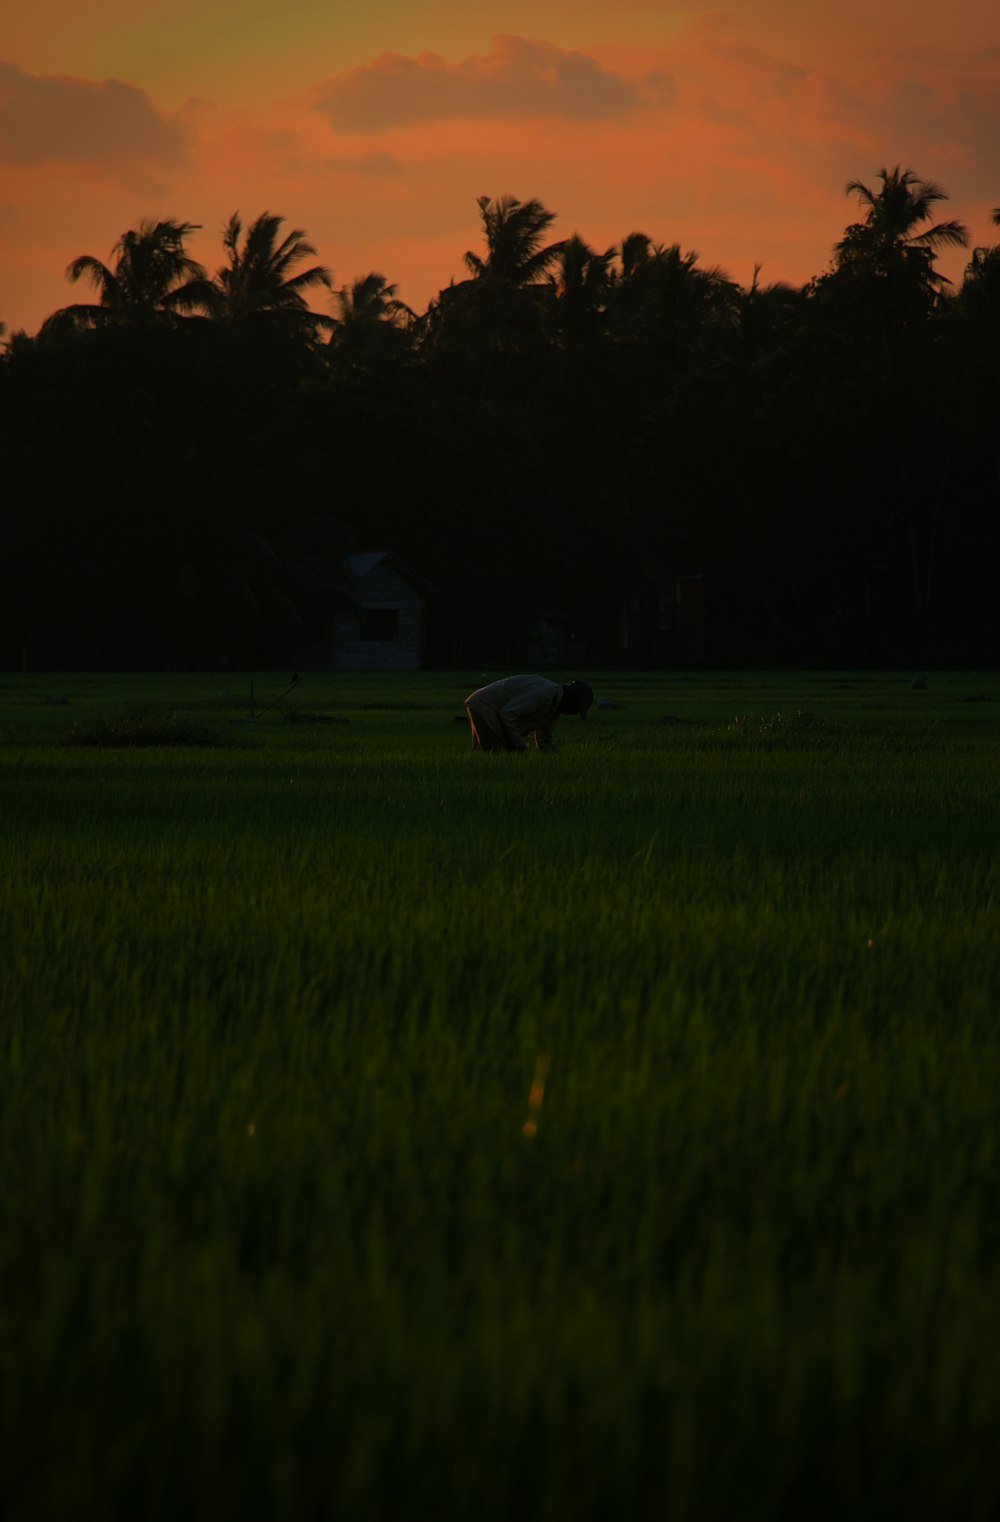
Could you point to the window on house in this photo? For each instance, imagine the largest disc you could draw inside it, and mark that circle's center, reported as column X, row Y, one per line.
column 380, row 623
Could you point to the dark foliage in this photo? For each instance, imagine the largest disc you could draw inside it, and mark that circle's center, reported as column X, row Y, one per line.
column 183, row 478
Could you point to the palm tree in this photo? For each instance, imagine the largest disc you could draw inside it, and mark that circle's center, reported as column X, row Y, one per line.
column 582, row 284
column 370, row 317
column 576, row 376
column 885, row 280
column 884, row 263
column 258, row 283
column 663, row 298
column 980, row 295
column 764, row 312
column 152, row 277
column 492, row 325
column 516, row 253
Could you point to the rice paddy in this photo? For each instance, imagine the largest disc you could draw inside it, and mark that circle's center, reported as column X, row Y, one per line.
column 388, row 1130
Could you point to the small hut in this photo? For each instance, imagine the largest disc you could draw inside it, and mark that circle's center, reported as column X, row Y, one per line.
column 384, row 629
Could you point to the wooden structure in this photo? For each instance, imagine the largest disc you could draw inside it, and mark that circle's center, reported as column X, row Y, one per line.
column 383, row 629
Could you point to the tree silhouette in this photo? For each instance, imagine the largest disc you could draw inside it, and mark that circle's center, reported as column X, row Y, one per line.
column 826, row 457
column 370, row 321
column 258, row 284
column 664, row 300
column 978, row 305
column 885, row 264
column 763, row 308
column 490, row 328
column 885, row 286
column 578, row 374
column 516, row 253
column 582, row 283
column 152, row 277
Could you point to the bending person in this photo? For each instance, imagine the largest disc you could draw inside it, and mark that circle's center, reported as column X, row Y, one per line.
column 505, row 714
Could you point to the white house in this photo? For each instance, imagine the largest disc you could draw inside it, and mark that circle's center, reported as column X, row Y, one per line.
column 384, row 631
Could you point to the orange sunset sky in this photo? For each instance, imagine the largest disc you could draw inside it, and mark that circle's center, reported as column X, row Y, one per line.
column 728, row 128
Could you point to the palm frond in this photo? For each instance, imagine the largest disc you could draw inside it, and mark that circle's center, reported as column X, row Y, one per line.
column 74, row 319
column 318, row 275
column 861, row 190
column 633, row 251
column 953, row 234
column 97, row 272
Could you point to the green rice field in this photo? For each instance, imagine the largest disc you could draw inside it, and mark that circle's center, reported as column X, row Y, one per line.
column 389, row 1131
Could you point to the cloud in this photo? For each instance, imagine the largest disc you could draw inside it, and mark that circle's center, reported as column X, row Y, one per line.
column 56, row 120
column 377, row 165
column 518, row 77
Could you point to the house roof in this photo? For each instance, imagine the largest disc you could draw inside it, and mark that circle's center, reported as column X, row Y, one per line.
column 360, row 565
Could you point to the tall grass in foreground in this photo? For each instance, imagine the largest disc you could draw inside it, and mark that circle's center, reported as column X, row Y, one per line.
column 291, row 1226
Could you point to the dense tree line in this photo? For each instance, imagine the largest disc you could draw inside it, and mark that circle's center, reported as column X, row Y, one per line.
column 188, row 457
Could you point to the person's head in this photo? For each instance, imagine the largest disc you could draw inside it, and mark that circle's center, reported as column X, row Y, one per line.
column 577, row 698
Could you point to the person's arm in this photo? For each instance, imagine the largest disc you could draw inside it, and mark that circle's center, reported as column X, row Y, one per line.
column 512, row 728
column 519, row 717
column 532, row 710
